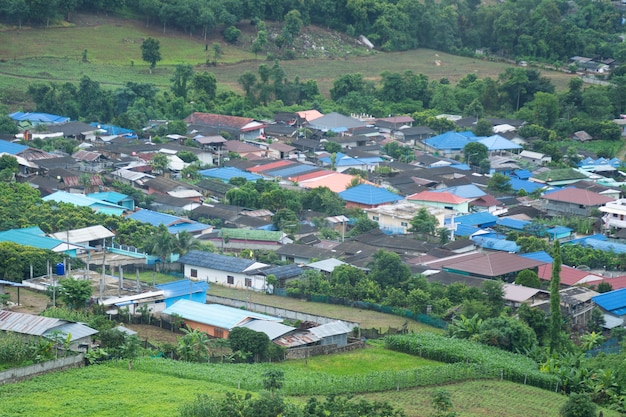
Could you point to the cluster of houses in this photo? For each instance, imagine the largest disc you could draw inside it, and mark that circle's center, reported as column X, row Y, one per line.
column 290, row 150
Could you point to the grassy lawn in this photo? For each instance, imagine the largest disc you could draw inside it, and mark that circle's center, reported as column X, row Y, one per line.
column 374, row 358
column 368, row 319
column 114, row 57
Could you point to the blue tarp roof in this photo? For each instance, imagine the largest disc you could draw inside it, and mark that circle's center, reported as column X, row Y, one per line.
column 612, row 301
column 11, row 148
column 448, row 140
column 496, row 244
column 183, row 287
column 369, row 195
column 542, row 256
column 225, row 174
column 476, row 219
column 38, row 117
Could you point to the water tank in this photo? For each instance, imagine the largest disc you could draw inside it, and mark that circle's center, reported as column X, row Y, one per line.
column 60, row 268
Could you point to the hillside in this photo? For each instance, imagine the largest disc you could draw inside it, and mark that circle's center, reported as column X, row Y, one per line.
column 113, row 56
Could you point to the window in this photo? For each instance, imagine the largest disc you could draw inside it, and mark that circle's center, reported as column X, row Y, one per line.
column 375, row 218
column 404, row 224
column 219, row 333
column 230, row 279
column 194, row 273
column 248, row 282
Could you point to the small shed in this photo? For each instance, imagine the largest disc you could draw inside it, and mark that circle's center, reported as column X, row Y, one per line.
column 334, row 333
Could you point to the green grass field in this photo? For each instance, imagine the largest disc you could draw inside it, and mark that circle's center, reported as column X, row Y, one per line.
column 113, row 390
column 114, row 57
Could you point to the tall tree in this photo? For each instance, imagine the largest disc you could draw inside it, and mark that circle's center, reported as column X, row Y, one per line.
column 556, row 321
column 151, row 52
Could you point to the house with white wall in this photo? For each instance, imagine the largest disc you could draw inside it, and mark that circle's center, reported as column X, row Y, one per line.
column 224, row 270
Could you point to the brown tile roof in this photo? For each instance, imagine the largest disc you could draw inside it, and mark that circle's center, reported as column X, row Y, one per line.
column 494, row 264
column 217, row 120
column 578, row 196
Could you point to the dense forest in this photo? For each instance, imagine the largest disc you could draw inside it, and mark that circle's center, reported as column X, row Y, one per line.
column 546, row 30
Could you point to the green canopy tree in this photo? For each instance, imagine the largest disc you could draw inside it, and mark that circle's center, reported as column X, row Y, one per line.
column 150, row 52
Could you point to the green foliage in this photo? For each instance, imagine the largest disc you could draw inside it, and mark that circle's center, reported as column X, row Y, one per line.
column 231, row 34
column 474, row 355
column 578, row 405
column 150, row 52
column 253, row 345
column 528, row 278
column 75, row 292
column 423, row 222
column 556, row 321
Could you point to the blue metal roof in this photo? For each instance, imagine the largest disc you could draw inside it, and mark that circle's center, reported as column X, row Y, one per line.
column 110, row 196
column 465, row 230
column 215, row 314
column 292, row 170
column 612, row 301
column 216, row 261
column 522, row 174
column 226, row 173
column 542, row 256
column 498, row 143
column 112, row 129
column 477, row 219
column 528, row 186
column 465, row 191
column 35, row 118
column 84, row 201
column 182, row 288
column 513, row 223
column 174, row 224
column 496, row 244
column 29, row 237
column 448, row 140
column 11, row 148
column 369, row 195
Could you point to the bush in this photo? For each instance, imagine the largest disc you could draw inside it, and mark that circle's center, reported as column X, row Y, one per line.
column 231, row 34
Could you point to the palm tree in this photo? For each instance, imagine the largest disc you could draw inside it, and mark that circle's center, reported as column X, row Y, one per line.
column 184, row 242
column 162, row 245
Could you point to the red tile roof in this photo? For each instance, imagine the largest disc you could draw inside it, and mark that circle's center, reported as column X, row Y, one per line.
column 569, row 276
column 578, row 196
column 438, row 197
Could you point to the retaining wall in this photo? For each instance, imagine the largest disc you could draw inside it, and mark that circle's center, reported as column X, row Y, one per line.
column 18, row 374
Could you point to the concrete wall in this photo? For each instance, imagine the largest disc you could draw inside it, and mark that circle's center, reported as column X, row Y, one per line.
column 17, row 374
column 302, row 353
column 275, row 311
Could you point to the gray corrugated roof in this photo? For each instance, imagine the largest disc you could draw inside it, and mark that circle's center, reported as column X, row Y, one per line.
column 26, row 323
column 215, row 261
column 272, row 329
column 76, row 331
column 331, row 329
